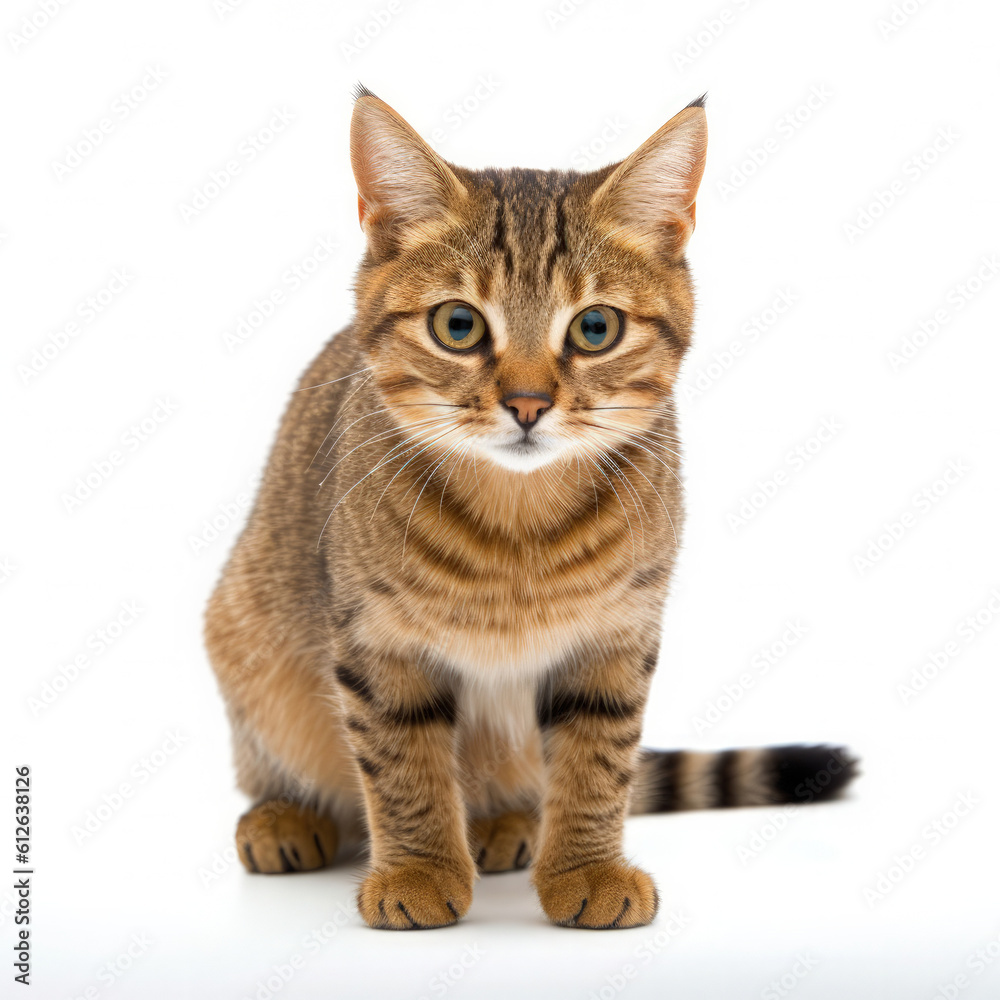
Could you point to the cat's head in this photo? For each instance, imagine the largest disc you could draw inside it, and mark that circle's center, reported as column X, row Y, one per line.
column 524, row 316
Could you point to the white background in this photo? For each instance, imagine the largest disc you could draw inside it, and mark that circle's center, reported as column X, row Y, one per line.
column 752, row 890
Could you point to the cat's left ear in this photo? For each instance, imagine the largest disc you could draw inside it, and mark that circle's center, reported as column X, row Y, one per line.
column 403, row 185
column 651, row 193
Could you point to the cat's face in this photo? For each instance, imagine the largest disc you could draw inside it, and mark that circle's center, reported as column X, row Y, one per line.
column 524, row 317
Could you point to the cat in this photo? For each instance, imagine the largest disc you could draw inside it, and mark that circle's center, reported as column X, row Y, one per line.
column 438, row 629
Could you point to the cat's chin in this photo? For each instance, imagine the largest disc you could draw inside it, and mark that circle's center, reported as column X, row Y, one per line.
column 522, row 456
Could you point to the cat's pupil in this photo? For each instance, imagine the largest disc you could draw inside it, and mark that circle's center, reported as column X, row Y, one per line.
column 594, row 326
column 460, row 323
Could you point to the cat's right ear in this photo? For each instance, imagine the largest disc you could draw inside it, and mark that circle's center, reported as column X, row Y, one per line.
column 404, row 187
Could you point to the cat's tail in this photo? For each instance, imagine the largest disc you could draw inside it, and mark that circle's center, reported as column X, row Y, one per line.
column 669, row 780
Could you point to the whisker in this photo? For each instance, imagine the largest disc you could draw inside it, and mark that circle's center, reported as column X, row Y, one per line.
column 341, row 379
column 680, row 483
column 346, row 429
column 641, row 447
column 624, row 511
column 370, row 472
column 652, row 409
column 344, row 411
column 461, row 458
column 405, row 464
column 597, row 506
column 385, row 461
column 417, row 480
column 632, row 491
column 384, row 409
column 648, row 430
column 460, row 406
column 430, row 476
column 654, row 489
column 376, row 437
column 644, row 436
column 653, row 444
column 638, row 435
column 672, row 438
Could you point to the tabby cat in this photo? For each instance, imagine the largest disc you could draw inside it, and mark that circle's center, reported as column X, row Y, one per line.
column 438, row 629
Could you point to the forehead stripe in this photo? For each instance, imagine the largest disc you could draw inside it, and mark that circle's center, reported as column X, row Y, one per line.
column 559, row 248
column 500, row 238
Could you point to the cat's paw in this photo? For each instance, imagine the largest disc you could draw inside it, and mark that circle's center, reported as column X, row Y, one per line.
column 280, row 836
column 503, row 843
column 601, row 896
column 414, row 896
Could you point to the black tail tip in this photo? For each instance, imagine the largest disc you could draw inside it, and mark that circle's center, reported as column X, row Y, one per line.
column 805, row 774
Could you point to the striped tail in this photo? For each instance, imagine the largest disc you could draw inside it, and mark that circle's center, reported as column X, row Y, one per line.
column 670, row 780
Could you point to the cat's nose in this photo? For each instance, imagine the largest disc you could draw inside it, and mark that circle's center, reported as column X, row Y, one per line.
column 527, row 407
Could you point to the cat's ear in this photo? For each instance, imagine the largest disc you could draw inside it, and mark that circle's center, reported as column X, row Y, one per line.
column 402, row 183
column 651, row 193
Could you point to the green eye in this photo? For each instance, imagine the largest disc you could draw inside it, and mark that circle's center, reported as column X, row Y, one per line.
column 594, row 329
column 457, row 325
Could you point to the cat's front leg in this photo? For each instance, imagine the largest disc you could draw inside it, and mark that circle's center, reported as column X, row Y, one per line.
column 591, row 721
column 402, row 729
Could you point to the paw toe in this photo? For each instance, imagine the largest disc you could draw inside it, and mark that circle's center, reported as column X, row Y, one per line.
column 602, row 895
column 504, row 843
column 276, row 837
column 413, row 897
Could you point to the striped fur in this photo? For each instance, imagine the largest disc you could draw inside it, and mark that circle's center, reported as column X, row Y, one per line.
column 438, row 630
column 669, row 781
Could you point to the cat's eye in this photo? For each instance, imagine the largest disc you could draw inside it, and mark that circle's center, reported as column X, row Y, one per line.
column 457, row 325
column 595, row 329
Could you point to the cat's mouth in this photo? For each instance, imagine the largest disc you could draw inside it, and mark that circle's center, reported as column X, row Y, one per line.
column 524, row 447
column 524, row 453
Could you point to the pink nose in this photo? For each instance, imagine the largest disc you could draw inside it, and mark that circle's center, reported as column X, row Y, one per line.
column 528, row 408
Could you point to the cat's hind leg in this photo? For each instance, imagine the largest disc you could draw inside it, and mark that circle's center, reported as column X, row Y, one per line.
column 281, row 835
column 290, row 756
column 503, row 843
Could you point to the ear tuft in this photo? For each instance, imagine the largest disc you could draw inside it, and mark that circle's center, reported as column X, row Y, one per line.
column 699, row 102
column 360, row 90
column 651, row 193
